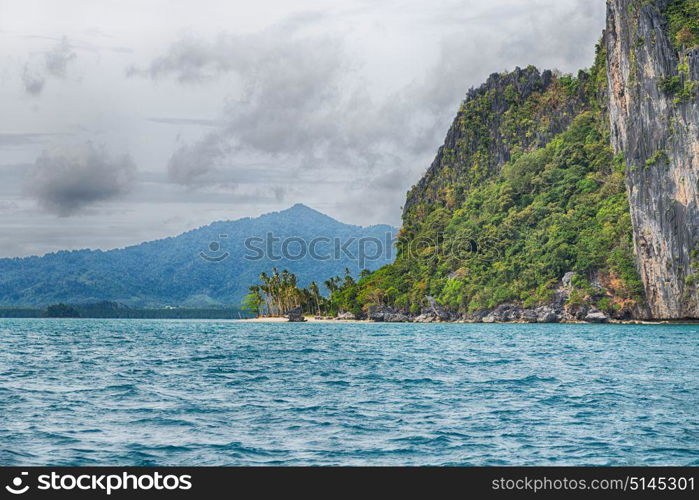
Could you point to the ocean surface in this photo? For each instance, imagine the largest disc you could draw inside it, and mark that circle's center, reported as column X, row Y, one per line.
column 142, row 392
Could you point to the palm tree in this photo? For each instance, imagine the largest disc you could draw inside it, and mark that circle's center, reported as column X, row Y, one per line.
column 315, row 294
column 332, row 284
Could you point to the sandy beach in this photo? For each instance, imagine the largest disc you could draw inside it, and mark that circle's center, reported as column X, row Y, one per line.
column 309, row 319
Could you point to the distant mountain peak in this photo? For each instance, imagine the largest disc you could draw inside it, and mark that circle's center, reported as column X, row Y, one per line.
column 300, row 207
column 301, row 211
column 207, row 266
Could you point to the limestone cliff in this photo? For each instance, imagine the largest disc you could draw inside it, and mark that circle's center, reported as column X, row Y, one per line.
column 489, row 129
column 654, row 117
column 563, row 197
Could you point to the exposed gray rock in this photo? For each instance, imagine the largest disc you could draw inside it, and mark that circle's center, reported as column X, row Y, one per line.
column 295, row 315
column 547, row 314
column 509, row 313
column 574, row 312
column 396, row 318
column 478, row 316
column 596, row 316
column 436, row 310
column 346, row 316
column 387, row 315
column 568, row 280
column 529, row 316
column 425, row 318
column 659, row 137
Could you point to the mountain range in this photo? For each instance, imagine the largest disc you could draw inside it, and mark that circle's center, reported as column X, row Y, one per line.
column 207, row 267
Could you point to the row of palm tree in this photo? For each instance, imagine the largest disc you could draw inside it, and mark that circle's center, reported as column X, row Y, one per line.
column 278, row 293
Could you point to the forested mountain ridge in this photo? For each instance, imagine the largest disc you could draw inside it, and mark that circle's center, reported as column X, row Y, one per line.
column 524, row 213
column 206, row 267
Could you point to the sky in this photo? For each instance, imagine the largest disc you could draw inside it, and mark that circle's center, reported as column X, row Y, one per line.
column 123, row 121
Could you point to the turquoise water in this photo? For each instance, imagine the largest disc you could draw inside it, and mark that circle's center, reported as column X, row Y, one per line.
column 141, row 392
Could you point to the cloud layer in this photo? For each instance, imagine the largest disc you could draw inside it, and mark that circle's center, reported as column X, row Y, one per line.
column 305, row 103
column 234, row 109
column 51, row 63
column 302, row 105
column 67, row 179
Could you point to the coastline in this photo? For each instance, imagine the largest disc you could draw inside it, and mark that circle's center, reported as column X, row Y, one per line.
column 311, row 319
column 308, row 319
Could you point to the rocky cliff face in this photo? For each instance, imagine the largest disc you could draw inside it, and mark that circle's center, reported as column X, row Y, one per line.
column 489, row 129
column 654, row 115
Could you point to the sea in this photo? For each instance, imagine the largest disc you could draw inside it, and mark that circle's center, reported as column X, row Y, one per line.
column 77, row 392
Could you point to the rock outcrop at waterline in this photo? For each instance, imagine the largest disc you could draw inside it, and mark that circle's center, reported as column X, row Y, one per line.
column 654, row 115
column 296, row 315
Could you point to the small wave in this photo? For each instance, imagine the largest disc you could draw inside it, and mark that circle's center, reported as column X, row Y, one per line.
column 163, row 421
column 523, row 381
column 423, row 440
column 339, row 383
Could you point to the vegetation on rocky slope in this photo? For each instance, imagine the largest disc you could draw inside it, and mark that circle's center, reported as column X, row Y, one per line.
column 683, row 23
column 525, row 190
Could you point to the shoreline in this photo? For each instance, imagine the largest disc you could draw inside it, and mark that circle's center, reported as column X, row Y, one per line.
column 311, row 319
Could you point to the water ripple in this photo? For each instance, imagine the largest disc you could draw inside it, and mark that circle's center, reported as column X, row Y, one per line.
column 121, row 392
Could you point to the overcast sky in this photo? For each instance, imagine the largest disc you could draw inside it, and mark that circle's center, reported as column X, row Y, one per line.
column 128, row 120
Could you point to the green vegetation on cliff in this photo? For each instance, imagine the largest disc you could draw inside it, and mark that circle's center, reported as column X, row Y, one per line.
column 525, row 189
column 683, row 30
column 683, row 23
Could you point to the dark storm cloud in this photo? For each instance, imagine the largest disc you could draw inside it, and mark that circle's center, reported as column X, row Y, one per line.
column 52, row 63
column 65, row 180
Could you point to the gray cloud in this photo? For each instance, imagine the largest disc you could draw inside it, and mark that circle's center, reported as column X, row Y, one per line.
column 23, row 139
column 57, row 59
column 304, row 103
column 33, row 81
column 202, row 122
column 193, row 164
column 301, row 105
column 6, row 206
column 192, row 60
column 348, row 136
column 567, row 31
column 51, row 63
column 65, row 180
